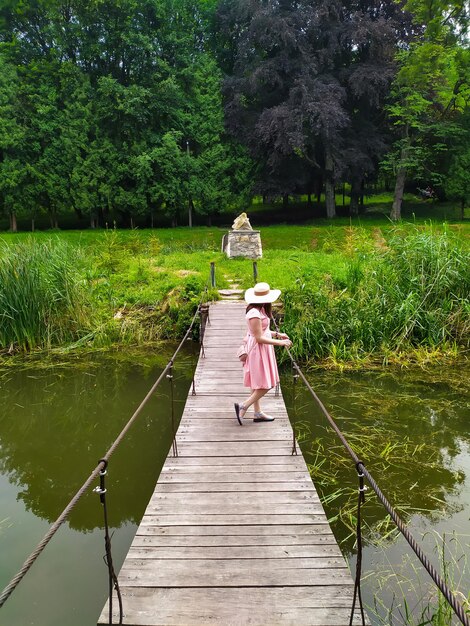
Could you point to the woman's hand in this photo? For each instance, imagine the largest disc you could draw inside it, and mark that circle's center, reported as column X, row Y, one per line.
column 282, row 336
column 286, row 342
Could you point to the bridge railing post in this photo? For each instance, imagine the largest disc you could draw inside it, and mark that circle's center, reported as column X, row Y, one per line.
column 295, row 377
column 204, row 320
column 212, row 274
column 172, row 400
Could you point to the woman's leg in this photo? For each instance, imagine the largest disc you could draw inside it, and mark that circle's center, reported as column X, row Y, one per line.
column 256, row 395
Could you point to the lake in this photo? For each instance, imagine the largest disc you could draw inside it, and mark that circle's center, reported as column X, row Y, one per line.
column 57, row 419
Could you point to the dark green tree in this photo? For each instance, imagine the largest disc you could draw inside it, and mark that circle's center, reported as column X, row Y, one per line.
column 306, row 84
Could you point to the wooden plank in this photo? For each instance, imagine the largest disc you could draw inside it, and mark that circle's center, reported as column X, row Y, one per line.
column 234, row 552
column 191, row 487
column 228, row 477
column 230, row 508
column 230, row 461
column 247, row 530
column 222, row 519
column 328, row 606
column 243, row 498
column 191, row 541
column 233, row 572
column 224, row 448
column 195, row 437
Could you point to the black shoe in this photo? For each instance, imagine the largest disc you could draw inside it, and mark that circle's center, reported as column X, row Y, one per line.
column 237, row 412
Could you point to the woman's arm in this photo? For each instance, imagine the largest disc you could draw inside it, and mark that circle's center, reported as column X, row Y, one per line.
column 257, row 332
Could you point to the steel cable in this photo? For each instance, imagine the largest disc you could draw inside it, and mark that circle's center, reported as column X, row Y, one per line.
column 14, row 582
column 446, row 592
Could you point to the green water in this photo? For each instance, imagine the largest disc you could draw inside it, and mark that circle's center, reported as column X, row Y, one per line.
column 412, row 430
column 56, row 422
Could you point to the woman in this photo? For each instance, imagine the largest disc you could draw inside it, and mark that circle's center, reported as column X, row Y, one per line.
column 260, row 368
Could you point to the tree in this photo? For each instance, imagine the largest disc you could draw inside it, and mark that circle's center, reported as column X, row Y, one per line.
column 306, row 85
column 457, row 180
column 104, row 92
column 429, row 91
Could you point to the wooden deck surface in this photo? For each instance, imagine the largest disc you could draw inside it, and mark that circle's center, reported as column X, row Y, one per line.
column 234, row 532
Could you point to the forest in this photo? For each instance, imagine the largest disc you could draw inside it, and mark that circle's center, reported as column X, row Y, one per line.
column 118, row 111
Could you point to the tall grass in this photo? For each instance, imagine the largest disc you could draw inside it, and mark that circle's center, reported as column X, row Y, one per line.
column 413, row 294
column 43, row 301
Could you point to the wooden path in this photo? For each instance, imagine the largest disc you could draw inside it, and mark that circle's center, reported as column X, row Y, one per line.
column 234, row 532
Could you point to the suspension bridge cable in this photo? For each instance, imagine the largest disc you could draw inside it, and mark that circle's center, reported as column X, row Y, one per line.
column 14, row 582
column 441, row 584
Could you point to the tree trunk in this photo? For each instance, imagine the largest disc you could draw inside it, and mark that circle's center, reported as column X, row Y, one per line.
column 285, row 200
column 13, row 224
column 462, row 209
column 53, row 219
column 190, row 213
column 355, row 192
column 92, row 221
column 344, row 194
column 319, row 189
column 209, row 220
column 329, row 185
column 132, row 223
column 264, row 198
column 395, row 213
column 32, row 224
column 151, row 218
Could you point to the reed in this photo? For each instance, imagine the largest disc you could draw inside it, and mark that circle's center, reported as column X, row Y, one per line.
column 411, row 295
column 43, row 301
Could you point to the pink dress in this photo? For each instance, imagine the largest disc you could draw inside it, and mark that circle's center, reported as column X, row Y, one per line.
column 260, row 368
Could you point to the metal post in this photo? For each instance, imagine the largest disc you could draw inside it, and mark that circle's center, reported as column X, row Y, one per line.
column 204, row 313
column 170, row 378
column 212, row 274
column 294, row 410
column 193, row 359
column 255, row 271
column 112, row 578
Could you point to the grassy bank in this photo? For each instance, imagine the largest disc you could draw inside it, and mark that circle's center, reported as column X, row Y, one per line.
column 353, row 293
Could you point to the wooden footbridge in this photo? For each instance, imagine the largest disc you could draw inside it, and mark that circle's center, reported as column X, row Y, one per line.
column 234, row 532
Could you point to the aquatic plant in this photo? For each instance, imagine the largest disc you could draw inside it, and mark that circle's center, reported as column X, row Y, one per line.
column 415, row 600
column 43, row 300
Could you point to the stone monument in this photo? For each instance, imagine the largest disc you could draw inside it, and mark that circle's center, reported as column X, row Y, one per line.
column 242, row 240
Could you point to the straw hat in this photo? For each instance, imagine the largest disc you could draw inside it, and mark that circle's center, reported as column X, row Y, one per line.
column 261, row 294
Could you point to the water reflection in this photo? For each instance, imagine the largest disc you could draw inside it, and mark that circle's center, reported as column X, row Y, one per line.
column 55, row 424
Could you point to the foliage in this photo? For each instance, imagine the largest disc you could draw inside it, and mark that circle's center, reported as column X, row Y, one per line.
column 343, row 298
column 429, row 95
column 112, row 111
column 306, row 86
column 457, row 182
column 413, row 294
